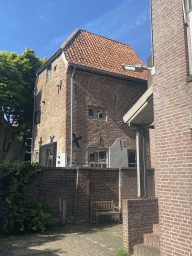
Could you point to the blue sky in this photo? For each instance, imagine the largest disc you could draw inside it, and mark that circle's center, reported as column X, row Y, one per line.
column 43, row 25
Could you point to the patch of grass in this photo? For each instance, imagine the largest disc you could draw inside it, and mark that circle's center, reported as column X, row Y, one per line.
column 122, row 252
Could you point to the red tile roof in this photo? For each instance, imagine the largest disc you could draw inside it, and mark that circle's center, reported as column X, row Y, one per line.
column 97, row 52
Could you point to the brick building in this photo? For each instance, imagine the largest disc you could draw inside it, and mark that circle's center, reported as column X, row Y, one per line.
column 89, row 66
column 171, row 140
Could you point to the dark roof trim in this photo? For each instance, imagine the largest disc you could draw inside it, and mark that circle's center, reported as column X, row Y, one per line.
column 107, row 73
column 49, row 61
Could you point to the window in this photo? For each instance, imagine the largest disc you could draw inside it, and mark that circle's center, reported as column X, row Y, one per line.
column 49, row 73
column 97, row 113
column 98, row 158
column 187, row 15
column 37, row 117
column 132, row 159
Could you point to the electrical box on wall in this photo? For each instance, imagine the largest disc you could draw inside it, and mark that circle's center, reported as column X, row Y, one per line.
column 61, row 160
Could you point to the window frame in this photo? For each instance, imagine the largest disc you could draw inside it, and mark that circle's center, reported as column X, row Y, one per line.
column 97, row 163
column 97, row 112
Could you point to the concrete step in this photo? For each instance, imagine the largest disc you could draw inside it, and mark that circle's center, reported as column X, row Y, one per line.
column 146, row 250
column 152, row 239
column 156, row 228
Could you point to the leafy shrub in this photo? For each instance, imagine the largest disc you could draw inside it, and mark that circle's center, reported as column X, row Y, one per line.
column 122, row 252
column 19, row 212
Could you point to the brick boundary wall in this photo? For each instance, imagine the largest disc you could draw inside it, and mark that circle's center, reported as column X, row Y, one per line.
column 82, row 185
column 139, row 215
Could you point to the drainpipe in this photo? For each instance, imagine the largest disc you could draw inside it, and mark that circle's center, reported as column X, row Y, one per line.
column 32, row 141
column 71, row 158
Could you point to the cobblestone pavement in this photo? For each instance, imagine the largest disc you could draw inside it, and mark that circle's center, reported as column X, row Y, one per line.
column 68, row 240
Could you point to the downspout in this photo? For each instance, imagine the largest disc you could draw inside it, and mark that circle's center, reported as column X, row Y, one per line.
column 71, row 158
column 32, row 142
column 152, row 48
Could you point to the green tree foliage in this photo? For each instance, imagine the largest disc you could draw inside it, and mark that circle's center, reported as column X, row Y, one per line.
column 19, row 212
column 17, row 81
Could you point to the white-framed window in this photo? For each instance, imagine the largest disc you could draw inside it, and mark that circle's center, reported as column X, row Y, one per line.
column 187, row 14
column 49, row 73
column 98, row 158
column 97, row 113
column 132, row 158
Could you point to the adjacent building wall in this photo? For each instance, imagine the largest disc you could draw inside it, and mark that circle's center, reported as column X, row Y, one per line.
column 172, row 113
column 139, row 215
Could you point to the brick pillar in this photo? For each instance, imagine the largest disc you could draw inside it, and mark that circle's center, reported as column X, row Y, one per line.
column 139, row 215
column 83, row 188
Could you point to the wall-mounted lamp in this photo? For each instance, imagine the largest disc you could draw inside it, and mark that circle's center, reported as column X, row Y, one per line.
column 138, row 68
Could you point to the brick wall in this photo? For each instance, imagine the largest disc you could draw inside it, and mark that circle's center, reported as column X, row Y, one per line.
column 55, row 183
column 115, row 95
column 83, row 185
column 173, row 138
column 139, row 215
column 51, row 102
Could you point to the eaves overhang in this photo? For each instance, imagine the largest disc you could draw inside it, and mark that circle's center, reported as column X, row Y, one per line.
column 49, row 61
column 107, row 73
column 142, row 111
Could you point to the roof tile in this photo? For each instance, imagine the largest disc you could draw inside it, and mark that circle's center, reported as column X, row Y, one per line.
column 94, row 51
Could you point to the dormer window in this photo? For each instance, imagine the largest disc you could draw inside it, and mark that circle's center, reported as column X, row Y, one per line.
column 49, row 73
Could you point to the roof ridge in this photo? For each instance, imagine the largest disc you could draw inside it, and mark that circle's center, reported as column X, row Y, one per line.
column 78, row 30
column 69, row 39
column 106, row 38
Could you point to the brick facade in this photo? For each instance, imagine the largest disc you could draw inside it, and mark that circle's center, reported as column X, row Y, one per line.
column 83, row 185
column 139, row 215
column 172, row 115
column 53, row 100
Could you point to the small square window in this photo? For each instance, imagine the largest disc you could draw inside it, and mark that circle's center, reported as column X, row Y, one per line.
column 98, row 158
column 97, row 113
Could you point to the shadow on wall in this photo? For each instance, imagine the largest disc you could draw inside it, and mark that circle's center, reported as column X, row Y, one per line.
column 37, row 118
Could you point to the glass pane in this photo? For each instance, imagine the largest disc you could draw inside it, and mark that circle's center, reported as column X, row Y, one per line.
column 91, row 113
column 92, row 157
column 102, row 155
column 100, row 114
column 132, row 159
